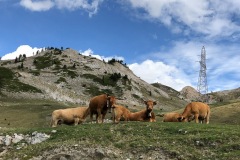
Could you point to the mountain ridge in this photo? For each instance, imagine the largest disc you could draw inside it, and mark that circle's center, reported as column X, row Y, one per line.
column 68, row 76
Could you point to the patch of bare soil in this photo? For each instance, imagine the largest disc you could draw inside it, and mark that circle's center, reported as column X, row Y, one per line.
column 77, row 152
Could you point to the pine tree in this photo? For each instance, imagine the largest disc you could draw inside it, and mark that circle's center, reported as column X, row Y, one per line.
column 16, row 60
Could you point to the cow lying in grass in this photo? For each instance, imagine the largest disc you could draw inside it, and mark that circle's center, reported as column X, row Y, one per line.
column 197, row 111
column 120, row 112
column 145, row 114
column 69, row 116
column 171, row 117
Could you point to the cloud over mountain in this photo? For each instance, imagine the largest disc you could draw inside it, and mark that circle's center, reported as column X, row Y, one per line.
column 23, row 49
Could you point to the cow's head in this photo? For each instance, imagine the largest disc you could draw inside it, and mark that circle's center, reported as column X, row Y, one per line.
column 111, row 100
column 149, row 106
column 183, row 119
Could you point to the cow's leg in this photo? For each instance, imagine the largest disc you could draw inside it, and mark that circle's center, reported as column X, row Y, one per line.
column 91, row 117
column 103, row 117
column 76, row 121
column 207, row 119
column 118, row 117
column 97, row 118
column 196, row 117
column 99, row 115
column 114, row 116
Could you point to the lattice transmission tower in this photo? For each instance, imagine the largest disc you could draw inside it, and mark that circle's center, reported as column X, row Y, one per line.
column 202, row 87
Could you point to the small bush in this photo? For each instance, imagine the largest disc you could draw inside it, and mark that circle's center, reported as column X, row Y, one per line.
column 136, row 96
column 61, row 79
column 43, row 62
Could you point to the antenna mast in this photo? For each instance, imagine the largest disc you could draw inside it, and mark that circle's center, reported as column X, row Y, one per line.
column 202, row 87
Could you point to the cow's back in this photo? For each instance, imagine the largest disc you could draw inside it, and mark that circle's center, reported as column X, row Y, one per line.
column 201, row 108
column 81, row 111
column 63, row 114
column 121, row 110
column 97, row 102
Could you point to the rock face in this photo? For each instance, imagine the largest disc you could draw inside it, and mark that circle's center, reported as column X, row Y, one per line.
column 34, row 138
column 19, row 141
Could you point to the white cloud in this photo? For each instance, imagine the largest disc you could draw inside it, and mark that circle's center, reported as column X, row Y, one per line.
column 89, row 52
column 42, row 5
column 91, row 6
column 23, row 49
column 222, row 64
column 153, row 72
column 211, row 18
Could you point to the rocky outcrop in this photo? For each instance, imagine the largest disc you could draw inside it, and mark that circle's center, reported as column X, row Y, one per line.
column 189, row 93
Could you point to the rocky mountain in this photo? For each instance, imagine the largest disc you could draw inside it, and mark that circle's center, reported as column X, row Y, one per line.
column 190, row 94
column 66, row 75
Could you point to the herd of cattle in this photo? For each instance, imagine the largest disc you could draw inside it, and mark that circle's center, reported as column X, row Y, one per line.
column 100, row 105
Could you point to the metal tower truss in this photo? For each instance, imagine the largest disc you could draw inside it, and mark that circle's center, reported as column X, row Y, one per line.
column 202, row 87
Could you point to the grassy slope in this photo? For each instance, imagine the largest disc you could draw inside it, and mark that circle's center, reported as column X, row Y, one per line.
column 218, row 140
column 186, row 140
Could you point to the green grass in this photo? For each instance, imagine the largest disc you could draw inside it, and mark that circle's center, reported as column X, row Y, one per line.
column 187, row 140
column 26, row 113
column 218, row 140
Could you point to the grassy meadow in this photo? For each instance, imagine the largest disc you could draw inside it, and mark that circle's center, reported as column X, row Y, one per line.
column 218, row 140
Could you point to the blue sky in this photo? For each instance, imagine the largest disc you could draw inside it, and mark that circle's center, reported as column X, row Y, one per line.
column 160, row 40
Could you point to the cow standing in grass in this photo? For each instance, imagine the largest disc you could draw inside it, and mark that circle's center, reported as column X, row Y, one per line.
column 197, row 111
column 69, row 116
column 99, row 105
column 145, row 114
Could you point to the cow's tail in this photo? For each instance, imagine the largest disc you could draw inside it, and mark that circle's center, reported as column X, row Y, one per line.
column 208, row 116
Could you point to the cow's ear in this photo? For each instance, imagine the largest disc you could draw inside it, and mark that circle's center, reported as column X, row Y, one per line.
column 155, row 102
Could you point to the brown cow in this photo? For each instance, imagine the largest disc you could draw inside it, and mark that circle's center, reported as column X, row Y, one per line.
column 198, row 110
column 69, row 116
column 171, row 117
column 120, row 112
column 145, row 114
column 99, row 105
